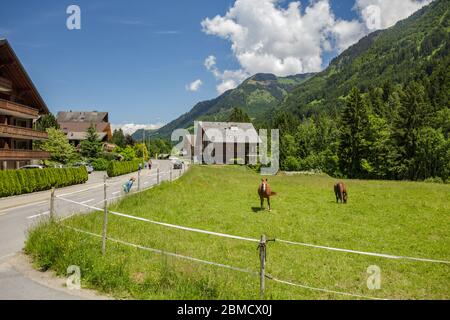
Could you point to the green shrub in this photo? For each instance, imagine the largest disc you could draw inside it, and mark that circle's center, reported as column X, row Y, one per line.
column 434, row 180
column 110, row 156
column 15, row 182
column 118, row 168
column 100, row 164
column 291, row 164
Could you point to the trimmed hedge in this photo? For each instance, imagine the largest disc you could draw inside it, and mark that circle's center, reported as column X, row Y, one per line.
column 118, row 168
column 14, row 182
column 100, row 164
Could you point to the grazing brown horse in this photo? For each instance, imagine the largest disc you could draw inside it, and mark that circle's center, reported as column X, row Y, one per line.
column 341, row 192
column 265, row 192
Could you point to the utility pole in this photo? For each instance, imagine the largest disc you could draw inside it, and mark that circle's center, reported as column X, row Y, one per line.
column 143, row 146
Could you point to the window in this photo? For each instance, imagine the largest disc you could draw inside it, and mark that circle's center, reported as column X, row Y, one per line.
column 21, row 123
column 21, row 144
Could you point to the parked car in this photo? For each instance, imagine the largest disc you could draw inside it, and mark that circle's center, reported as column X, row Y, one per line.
column 177, row 165
column 89, row 168
column 32, row 166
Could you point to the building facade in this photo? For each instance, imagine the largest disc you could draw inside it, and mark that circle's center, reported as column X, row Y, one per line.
column 223, row 143
column 20, row 107
column 75, row 125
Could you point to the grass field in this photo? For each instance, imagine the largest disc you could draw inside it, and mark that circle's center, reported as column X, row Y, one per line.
column 400, row 218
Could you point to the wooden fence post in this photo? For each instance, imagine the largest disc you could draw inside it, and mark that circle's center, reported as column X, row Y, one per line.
column 52, row 203
column 139, row 180
column 105, row 217
column 262, row 258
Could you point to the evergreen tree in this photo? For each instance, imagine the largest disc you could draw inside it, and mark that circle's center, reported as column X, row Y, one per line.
column 377, row 138
column 375, row 100
column 412, row 116
column 439, row 85
column 392, row 106
column 286, row 122
column 129, row 141
column 46, row 121
column 118, row 138
column 352, row 145
column 306, row 138
column 431, row 155
column 91, row 147
column 238, row 115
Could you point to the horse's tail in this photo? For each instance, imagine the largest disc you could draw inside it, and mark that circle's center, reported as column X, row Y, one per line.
column 273, row 193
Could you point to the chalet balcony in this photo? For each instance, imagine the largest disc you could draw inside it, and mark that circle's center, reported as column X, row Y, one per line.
column 17, row 110
column 12, row 154
column 21, row 133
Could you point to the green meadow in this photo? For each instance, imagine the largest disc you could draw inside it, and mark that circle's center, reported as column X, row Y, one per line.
column 390, row 217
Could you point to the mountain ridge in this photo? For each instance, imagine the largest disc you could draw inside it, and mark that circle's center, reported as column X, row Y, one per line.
column 256, row 96
column 397, row 55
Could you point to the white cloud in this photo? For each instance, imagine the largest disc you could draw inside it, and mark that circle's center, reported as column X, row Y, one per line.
column 229, row 79
column 266, row 37
column 348, row 33
column 194, row 85
column 382, row 14
column 130, row 128
column 210, row 62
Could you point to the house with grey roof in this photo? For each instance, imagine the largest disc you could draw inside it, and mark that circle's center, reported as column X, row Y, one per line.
column 224, row 143
column 75, row 125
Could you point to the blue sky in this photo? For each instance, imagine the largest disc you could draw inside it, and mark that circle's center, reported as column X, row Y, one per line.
column 131, row 58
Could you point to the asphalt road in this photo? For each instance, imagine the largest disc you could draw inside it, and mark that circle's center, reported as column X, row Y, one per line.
column 20, row 214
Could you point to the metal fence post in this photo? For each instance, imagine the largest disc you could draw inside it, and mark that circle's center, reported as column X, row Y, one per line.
column 170, row 170
column 105, row 217
column 52, row 203
column 262, row 258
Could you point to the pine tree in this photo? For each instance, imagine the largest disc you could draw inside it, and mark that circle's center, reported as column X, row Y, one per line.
column 412, row 116
column 129, row 141
column 91, row 147
column 378, row 136
column 118, row 138
column 375, row 99
column 238, row 115
column 352, row 145
column 46, row 121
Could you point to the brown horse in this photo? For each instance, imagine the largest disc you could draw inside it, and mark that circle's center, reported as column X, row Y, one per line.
column 341, row 192
column 265, row 192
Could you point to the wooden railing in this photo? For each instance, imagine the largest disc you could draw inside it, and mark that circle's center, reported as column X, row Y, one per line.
column 13, row 154
column 19, row 108
column 21, row 132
